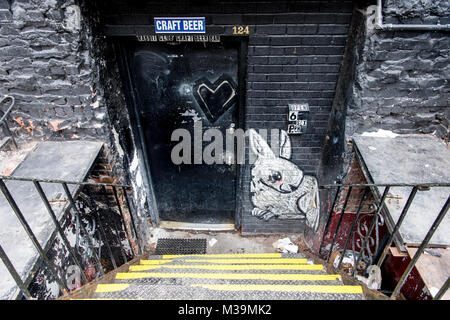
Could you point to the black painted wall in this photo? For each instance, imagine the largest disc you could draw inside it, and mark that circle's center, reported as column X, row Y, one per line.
column 295, row 50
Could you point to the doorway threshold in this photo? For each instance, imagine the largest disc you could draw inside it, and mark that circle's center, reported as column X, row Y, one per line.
column 174, row 225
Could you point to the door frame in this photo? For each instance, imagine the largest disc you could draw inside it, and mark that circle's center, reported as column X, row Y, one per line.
column 122, row 56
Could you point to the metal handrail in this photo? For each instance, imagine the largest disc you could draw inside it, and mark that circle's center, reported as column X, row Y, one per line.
column 98, row 184
column 76, row 211
column 418, row 184
column 382, row 251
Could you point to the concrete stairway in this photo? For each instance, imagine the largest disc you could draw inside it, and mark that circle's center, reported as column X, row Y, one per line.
column 266, row 276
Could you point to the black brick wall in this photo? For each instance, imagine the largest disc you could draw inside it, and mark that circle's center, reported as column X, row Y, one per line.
column 401, row 81
column 294, row 53
column 45, row 64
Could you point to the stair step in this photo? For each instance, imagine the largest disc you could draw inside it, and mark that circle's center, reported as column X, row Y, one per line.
column 156, row 281
column 208, row 291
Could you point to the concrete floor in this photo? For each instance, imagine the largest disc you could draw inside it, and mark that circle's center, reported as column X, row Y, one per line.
column 227, row 242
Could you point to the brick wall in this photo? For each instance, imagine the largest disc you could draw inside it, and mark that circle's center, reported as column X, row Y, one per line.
column 54, row 66
column 402, row 76
column 46, row 66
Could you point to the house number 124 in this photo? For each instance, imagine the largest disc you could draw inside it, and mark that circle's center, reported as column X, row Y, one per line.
column 241, row 30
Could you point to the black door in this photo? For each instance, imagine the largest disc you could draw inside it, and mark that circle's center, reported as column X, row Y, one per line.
column 177, row 86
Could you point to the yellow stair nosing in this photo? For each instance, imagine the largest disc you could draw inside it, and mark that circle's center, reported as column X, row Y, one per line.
column 229, row 276
column 297, row 288
column 225, row 255
column 154, row 261
column 230, row 267
column 111, row 287
column 232, row 261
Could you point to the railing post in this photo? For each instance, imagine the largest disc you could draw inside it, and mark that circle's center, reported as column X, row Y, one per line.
column 372, row 225
column 14, row 273
column 358, row 212
column 339, row 222
column 397, row 226
column 59, row 229
column 63, row 287
column 122, row 250
column 443, row 289
column 88, row 236
column 108, row 247
column 419, row 251
column 116, row 197
column 325, row 231
column 132, row 220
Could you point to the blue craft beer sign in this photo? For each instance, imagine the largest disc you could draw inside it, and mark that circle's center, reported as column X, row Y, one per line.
column 180, row 25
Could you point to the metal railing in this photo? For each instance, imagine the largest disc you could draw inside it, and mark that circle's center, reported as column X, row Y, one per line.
column 377, row 256
column 109, row 215
column 413, row 27
column 4, row 124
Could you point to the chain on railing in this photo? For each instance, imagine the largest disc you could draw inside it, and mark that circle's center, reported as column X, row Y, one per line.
column 77, row 205
column 365, row 242
column 8, row 136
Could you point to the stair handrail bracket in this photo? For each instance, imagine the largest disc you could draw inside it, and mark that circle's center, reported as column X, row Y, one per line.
column 3, row 120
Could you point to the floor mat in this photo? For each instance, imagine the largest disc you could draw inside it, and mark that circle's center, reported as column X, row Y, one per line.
column 180, row 246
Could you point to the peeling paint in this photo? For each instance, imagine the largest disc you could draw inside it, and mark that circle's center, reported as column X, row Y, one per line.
column 191, row 113
column 117, row 143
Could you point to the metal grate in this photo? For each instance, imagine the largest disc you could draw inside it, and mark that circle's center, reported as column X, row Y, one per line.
column 180, row 246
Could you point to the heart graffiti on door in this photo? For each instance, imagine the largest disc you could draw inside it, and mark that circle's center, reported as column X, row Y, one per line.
column 215, row 98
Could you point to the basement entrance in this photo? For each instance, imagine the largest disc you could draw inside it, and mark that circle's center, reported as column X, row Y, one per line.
column 179, row 86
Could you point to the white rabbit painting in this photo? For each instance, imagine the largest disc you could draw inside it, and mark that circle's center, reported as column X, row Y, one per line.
column 278, row 187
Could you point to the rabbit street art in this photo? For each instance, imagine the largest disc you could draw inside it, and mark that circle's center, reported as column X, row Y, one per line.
column 278, row 187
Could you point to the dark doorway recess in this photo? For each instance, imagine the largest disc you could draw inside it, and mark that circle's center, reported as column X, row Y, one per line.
column 173, row 86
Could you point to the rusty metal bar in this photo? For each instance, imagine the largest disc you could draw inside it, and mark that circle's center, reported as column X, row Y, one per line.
column 63, row 287
column 325, row 231
column 397, row 226
column 116, row 197
column 122, row 250
column 358, row 212
column 372, row 225
column 106, row 241
column 88, row 236
column 59, row 229
column 442, row 290
column 124, row 190
column 339, row 222
column 14, row 274
column 64, row 181
column 419, row 251
column 422, row 185
column 326, row 186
